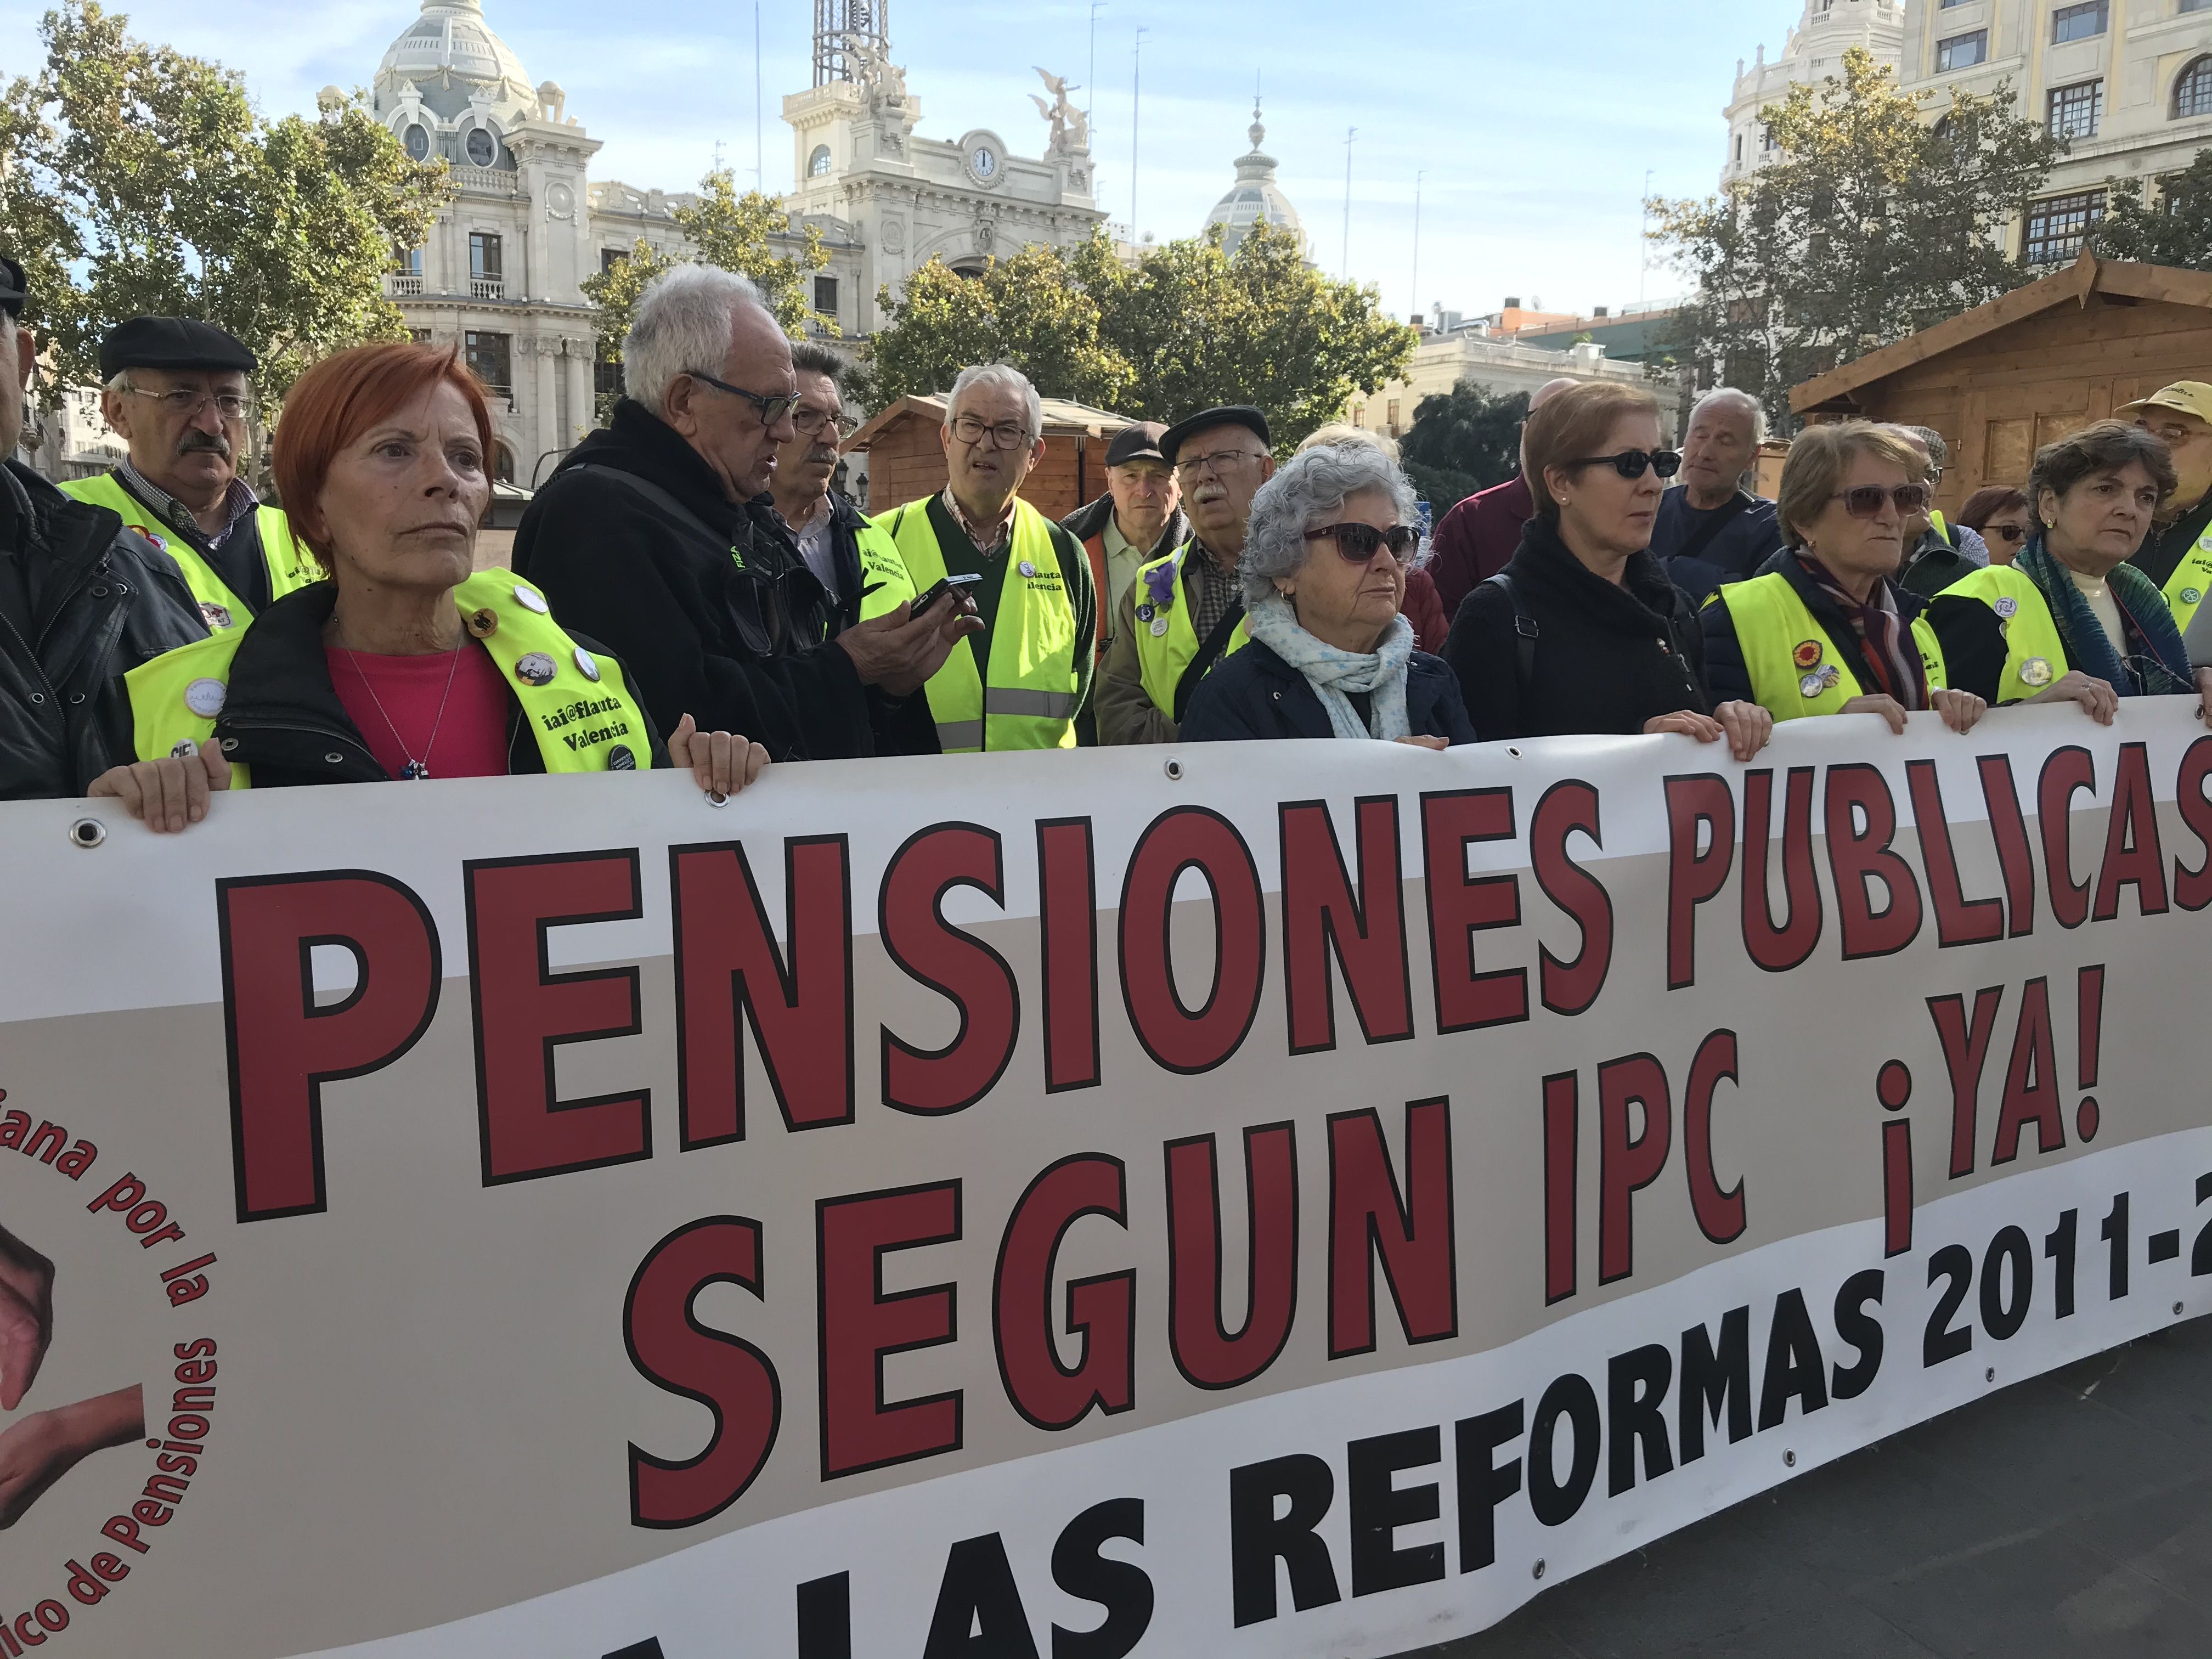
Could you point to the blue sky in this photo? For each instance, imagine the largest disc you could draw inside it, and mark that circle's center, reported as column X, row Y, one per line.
column 1536, row 123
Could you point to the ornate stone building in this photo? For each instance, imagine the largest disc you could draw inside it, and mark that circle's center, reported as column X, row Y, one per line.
column 1256, row 196
column 1813, row 51
column 501, row 272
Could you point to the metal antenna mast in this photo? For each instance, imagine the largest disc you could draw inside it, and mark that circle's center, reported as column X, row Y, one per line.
column 1350, row 134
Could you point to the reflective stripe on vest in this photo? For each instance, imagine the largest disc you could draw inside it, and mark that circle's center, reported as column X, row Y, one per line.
column 578, row 720
column 2191, row 580
column 1030, row 701
column 1165, row 655
column 2035, row 655
column 288, row 564
column 1795, row 668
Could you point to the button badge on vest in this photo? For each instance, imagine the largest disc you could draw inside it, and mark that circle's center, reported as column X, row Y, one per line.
column 483, row 624
column 1159, row 627
column 1026, row 567
column 530, row 599
column 216, row 616
column 2035, row 671
column 1826, row 678
column 2192, row 595
column 585, row 665
column 205, row 697
column 537, row 669
column 2007, row 606
column 1807, row 653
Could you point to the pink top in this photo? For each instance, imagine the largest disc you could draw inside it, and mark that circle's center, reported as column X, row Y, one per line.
column 399, row 720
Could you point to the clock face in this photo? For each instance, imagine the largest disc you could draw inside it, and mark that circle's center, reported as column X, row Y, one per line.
column 985, row 163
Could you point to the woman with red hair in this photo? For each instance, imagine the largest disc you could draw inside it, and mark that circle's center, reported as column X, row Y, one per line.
column 401, row 664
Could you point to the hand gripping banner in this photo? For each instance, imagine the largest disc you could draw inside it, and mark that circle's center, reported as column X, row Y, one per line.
column 1269, row 1199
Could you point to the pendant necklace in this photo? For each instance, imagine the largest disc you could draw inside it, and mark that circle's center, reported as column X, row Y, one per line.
column 414, row 769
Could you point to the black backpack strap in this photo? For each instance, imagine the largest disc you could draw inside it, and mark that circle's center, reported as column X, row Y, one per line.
column 1524, row 633
column 1209, row 653
column 1721, row 517
column 659, row 497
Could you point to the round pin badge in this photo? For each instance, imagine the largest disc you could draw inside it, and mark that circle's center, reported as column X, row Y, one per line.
column 1145, row 613
column 184, row 750
column 2192, row 595
column 2035, row 671
column 1026, row 567
column 585, row 665
column 2007, row 606
column 1807, row 653
column 619, row 759
column 1160, row 626
column 536, row 669
column 216, row 615
column 205, row 697
column 483, row 623
column 1811, row 686
column 530, row 599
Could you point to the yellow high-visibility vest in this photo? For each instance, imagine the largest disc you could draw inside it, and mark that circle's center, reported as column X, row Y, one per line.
column 1165, row 655
column 1029, row 697
column 583, row 722
column 1796, row 670
column 290, row 566
column 2191, row 580
column 2035, row 653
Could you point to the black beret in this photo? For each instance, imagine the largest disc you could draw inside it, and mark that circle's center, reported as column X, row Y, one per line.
column 1241, row 415
column 171, row 343
column 13, row 290
column 1140, row 442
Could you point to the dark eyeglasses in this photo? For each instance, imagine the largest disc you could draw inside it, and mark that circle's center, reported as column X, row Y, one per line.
column 773, row 409
column 1865, row 500
column 1360, row 543
column 1631, row 463
column 2006, row 532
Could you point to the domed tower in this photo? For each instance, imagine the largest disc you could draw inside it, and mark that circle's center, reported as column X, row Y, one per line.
column 451, row 88
column 1256, row 196
column 1813, row 52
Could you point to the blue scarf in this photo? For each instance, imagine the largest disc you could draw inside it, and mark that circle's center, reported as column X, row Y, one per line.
column 1332, row 673
column 2159, row 668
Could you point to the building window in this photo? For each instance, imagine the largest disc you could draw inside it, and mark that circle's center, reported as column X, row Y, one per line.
column 2079, row 22
column 410, row 262
column 2192, row 93
column 503, row 463
column 826, row 295
column 486, row 280
column 1767, row 140
column 2074, row 112
column 420, row 336
column 1359, row 416
column 1390, row 416
column 2058, row 225
column 2195, row 5
column 418, row 140
column 482, row 147
column 1962, row 52
column 818, row 164
column 1739, row 148
column 490, row 359
column 606, row 377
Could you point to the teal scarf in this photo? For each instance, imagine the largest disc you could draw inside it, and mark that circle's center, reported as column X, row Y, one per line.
column 1332, row 673
column 2150, row 662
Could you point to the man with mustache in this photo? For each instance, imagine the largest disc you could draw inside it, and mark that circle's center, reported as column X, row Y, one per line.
column 176, row 389
column 83, row 602
column 846, row 553
column 1182, row 614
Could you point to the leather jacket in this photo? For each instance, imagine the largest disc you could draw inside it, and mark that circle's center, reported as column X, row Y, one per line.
column 82, row 601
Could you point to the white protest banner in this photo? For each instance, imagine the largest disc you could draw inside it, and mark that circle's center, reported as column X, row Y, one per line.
column 1284, row 1200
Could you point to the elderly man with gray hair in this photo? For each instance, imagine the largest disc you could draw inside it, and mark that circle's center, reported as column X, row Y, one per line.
column 1022, row 682
column 1326, row 550
column 657, row 536
column 1710, row 530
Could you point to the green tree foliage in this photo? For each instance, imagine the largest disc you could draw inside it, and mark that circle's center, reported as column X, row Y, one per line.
column 1468, row 432
column 723, row 228
column 135, row 180
column 2173, row 227
column 1871, row 225
column 1185, row 327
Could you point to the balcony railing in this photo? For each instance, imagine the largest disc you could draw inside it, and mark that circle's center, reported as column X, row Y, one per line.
column 487, row 287
column 485, row 181
column 406, row 286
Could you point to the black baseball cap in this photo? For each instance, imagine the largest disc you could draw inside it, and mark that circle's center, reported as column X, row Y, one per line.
column 1241, row 415
column 1140, row 442
column 13, row 288
column 171, row 343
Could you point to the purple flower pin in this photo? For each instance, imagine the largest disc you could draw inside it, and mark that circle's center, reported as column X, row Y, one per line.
column 1159, row 583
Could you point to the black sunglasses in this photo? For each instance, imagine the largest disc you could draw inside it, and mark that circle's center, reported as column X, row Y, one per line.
column 1360, row 543
column 2008, row 532
column 1631, row 463
column 772, row 409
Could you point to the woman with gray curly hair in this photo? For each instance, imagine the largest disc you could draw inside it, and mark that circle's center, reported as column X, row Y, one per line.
column 1331, row 540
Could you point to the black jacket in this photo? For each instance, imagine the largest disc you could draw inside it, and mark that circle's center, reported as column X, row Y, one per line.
column 82, row 601
column 2163, row 551
column 1728, row 676
column 1608, row 657
column 738, row 648
column 282, row 716
column 1256, row 694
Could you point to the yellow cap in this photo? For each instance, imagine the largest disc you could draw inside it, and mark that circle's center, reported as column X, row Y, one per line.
column 2188, row 397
